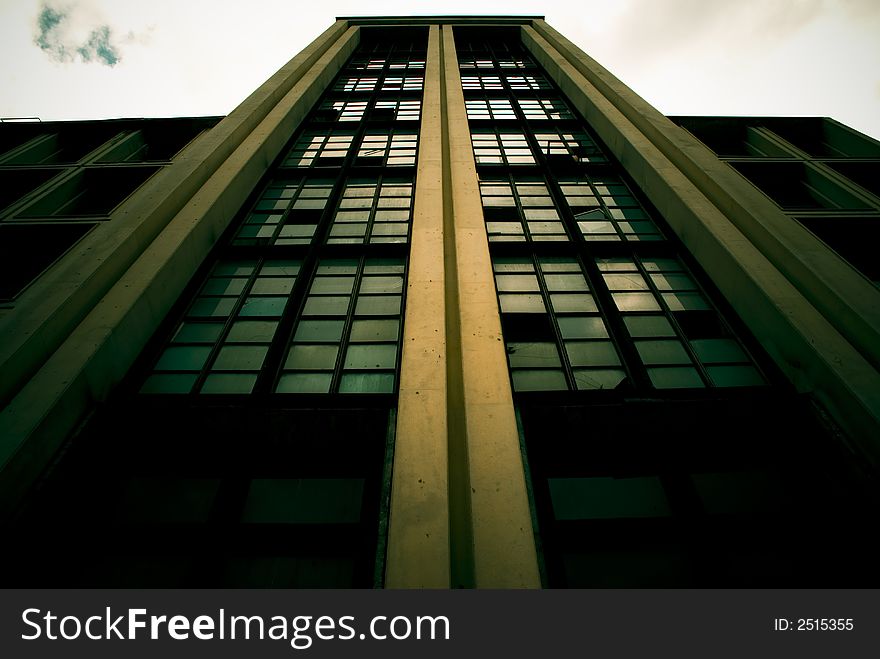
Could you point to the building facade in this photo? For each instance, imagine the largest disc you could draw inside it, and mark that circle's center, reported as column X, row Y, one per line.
column 441, row 304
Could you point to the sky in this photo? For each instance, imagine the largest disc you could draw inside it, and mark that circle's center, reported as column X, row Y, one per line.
column 92, row 59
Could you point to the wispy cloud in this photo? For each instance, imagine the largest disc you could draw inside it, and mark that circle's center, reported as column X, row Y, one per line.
column 68, row 32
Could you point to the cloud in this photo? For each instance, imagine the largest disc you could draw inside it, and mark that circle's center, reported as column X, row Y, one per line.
column 65, row 32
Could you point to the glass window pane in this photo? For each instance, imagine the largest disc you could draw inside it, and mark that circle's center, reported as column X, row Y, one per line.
column 256, row 331
column 592, row 353
column 183, row 358
column 212, row 307
column 633, row 282
column 240, row 358
column 570, row 302
column 263, row 306
column 530, row 355
column 538, row 380
column 523, row 303
column 675, row 378
column 685, row 301
column 566, row 282
column 369, row 356
column 381, row 285
column 272, row 286
column 510, row 283
column 319, row 330
column 375, row 330
column 229, row 383
column 635, row 302
column 378, row 305
column 304, row 383
column 224, row 286
column 332, row 285
column 645, row 326
column 372, row 383
column 598, row 378
column 311, row 357
column 326, row 306
column 582, row 327
column 198, row 333
column 662, row 352
column 718, row 350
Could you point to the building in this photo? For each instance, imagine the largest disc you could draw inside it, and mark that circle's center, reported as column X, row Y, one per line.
column 441, row 304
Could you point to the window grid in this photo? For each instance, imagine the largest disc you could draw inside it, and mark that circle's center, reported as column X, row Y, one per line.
column 499, row 109
column 287, row 213
column 342, row 111
column 533, row 82
column 222, row 342
column 555, row 337
column 501, row 147
column 373, row 210
column 218, row 347
column 520, row 209
column 483, row 82
column 543, row 109
column 605, row 209
column 347, row 338
column 403, row 110
column 392, row 147
column 320, row 148
column 679, row 337
column 402, row 84
column 572, row 144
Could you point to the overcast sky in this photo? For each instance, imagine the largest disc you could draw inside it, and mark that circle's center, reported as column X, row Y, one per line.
column 87, row 59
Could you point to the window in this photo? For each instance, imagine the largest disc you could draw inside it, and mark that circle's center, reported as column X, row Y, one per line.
column 536, row 82
column 287, row 213
column 606, row 210
column 341, row 111
column 348, row 336
column 221, row 344
column 495, row 108
column 373, row 211
column 569, row 145
column 390, row 148
column 544, row 108
column 401, row 110
column 481, row 82
column 320, row 148
column 493, row 147
column 520, row 209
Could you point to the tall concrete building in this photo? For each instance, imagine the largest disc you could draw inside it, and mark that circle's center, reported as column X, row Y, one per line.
column 441, row 304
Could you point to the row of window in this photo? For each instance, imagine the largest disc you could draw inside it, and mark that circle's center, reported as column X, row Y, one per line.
column 380, row 110
column 346, row 338
column 553, row 325
column 377, row 147
column 369, row 84
column 521, row 208
column 533, row 109
column 370, row 210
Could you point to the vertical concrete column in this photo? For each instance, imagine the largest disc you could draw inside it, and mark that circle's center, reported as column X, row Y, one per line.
column 493, row 541
column 418, row 534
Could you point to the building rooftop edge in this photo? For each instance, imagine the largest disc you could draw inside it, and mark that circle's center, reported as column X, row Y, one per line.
column 443, row 17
